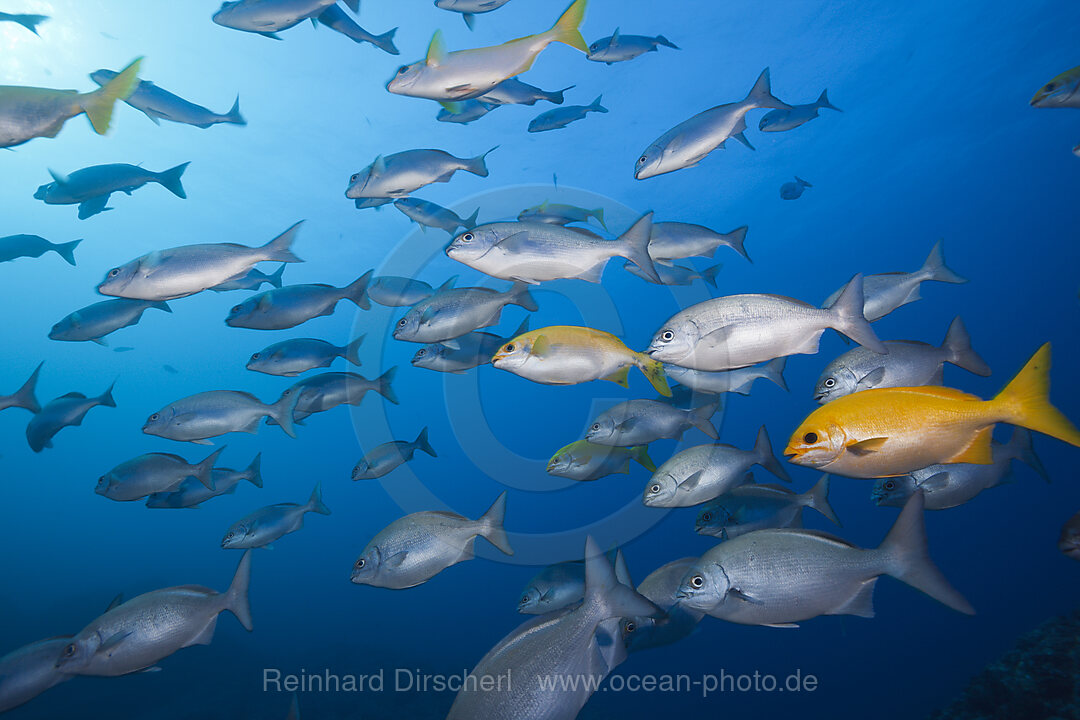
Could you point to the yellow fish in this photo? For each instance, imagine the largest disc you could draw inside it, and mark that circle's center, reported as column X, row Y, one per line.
column 568, row 355
column 892, row 431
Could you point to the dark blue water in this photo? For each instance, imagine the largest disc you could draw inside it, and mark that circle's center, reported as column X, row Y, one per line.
column 936, row 140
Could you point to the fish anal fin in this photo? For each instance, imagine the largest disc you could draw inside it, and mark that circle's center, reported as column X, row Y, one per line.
column 978, row 451
column 620, row 376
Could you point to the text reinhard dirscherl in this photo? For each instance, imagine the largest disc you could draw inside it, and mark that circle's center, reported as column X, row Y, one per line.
column 414, row 680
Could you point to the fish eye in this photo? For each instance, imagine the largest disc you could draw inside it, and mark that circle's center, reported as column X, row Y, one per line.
column 524, row 599
column 830, row 382
column 655, row 488
column 287, row 392
column 706, row 516
column 154, row 417
column 630, row 627
column 236, row 309
column 596, row 426
column 114, row 272
column 697, row 582
column 667, row 336
column 402, row 322
column 467, row 237
column 643, row 158
column 361, row 563
column 1050, row 86
column 355, row 177
column 810, row 438
column 421, row 352
column 69, row 651
column 889, row 485
column 403, row 69
column 509, row 347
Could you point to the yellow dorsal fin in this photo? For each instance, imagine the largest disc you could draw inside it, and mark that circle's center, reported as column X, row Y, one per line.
column 436, row 52
column 930, row 391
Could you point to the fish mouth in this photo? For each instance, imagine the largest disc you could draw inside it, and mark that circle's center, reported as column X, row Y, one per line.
column 818, row 397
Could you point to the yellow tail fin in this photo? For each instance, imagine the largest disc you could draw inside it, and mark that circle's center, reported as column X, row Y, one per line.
column 99, row 104
column 566, row 30
column 654, row 371
column 1026, row 401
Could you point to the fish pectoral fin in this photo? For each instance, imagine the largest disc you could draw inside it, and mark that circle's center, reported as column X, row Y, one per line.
column 978, row 451
column 620, row 376
column 739, row 594
column 511, row 239
column 93, row 206
column 112, row 642
column 627, row 424
column 938, row 481
column 151, row 669
column 717, row 337
column 691, row 482
column 396, row 560
column 265, row 302
column 786, row 626
column 57, row 177
column 460, row 90
column 871, row 379
column 865, row 447
column 541, row 346
column 204, row 441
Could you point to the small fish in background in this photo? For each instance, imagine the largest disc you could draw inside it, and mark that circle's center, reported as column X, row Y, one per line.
column 13, row 247
column 703, row 472
column 952, row 485
column 741, row 330
column 90, row 188
column 562, row 585
column 170, row 369
column 908, row 364
column 93, row 322
column 676, row 274
column 473, row 349
column 198, row 417
column 516, row 92
column 569, row 355
column 886, row 292
column 1076, row 151
column 394, row 291
column 640, row 422
column 290, row 358
column 154, row 473
column 292, row 305
column 133, row 636
column 735, row 381
column 670, row 241
column 327, row 391
column 253, row 280
column 560, row 117
column 783, row 120
column 123, row 348
column 1068, row 542
column 24, row 397
column 793, row 190
column 675, row 623
column 619, row 48
column 466, row 74
column 28, row 112
column 585, row 461
column 159, row 104
column 753, row 507
column 428, row 214
column 748, row 580
column 390, row 455
column 413, row 549
column 1061, row 92
column 181, row 271
column 687, row 144
column 561, row 214
column 895, row 431
column 266, row 525
column 30, row 22
column 452, row 312
column 400, row 174
column 469, row 9
column 191, row 493
column 31, row 670
column 464, row 112
column 65, row 411
column 338, row 20
column 268, row 17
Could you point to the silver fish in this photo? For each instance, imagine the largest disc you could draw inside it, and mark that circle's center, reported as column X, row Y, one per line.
column 742, row 330
column 428, row 214
column 750, row 580
column 736, row 381
column 159, row 104
column 687, row 144
column 191, row 493
column 952, row 485
column 154, row 473
column 266, row 17
column 91, row 187
column 562, row 584
column 13, row 247
column 619, row 48
column 781, row 120
column 675, row 240
column 25, row 396
column 473, row 349
column 394, row 291
column 560, row 117
column 289, row 358
column 336, row 19
column 677, row 621
column 562, row 214
column 464, row 112
column 886, row 292
column 676, row 274
column 64, row 411
column 703, row 472
column 1062, row 91
column 391, row 455
column 292, row 305
column 188, row 269
column 413, row 549
column 326, row 391
column 908, row 364
column 216, row 412
column 793, row 190
column 267, row 524
column 94, row 322
column 30, row 670
column 398, row 175
column 452, row 312
column 516, row 92
column 759, row 507
column 253, row 280
column 639, row 422
column 135, row 635
column 469, row 9
column 534, row 252
column 1068, row 542
column 28, row 21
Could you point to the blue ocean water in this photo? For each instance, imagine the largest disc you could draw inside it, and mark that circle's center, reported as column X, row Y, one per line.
column 936, row 141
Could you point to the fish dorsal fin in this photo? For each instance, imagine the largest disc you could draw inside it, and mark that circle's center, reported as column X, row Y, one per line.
column 436, row 52
column 865, row 447
column 115, row 602
column 937, row 392
column 541, row 346
column 614, row 38
column 58, row 178
column 72, row 396
column 449, row 284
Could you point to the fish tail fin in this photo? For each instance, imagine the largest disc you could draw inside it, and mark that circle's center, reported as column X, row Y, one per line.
column 280, row 248
column 204, row 470
column 521, row 297
column 737, row 240
column 640, row 454
column 959, row 352
column 802, row 182
column 478, row 164
column 315, row 503
column 817, row 497
column 236, row 597
column 1020, row 448
column 700, row 418
column 604, row 592
column 274, row 278
column 595, row 105
column 30, row 22
column 1025, row 401
column 24, row 397
column 849, row 319
column 766, row 458
column 774, row 372
column 565, row 29
column 421, row 443
column 935, row 269
column 67, row 250
column 253, row 472
column 709, row 274
column 106, row 398
column 760, row 96
column 907, row 558
column 282, row 412
column 99, row 104
column 823, row 102
column 557, row 96
column 351, row 351
column 382, row 383
column 635, row 242
column 385, row 42
column 653, row 370
column 356, row 291
column 234, row 116
column 661, row 40
column 492, row 522
column 170, row 180
column 470, row 222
